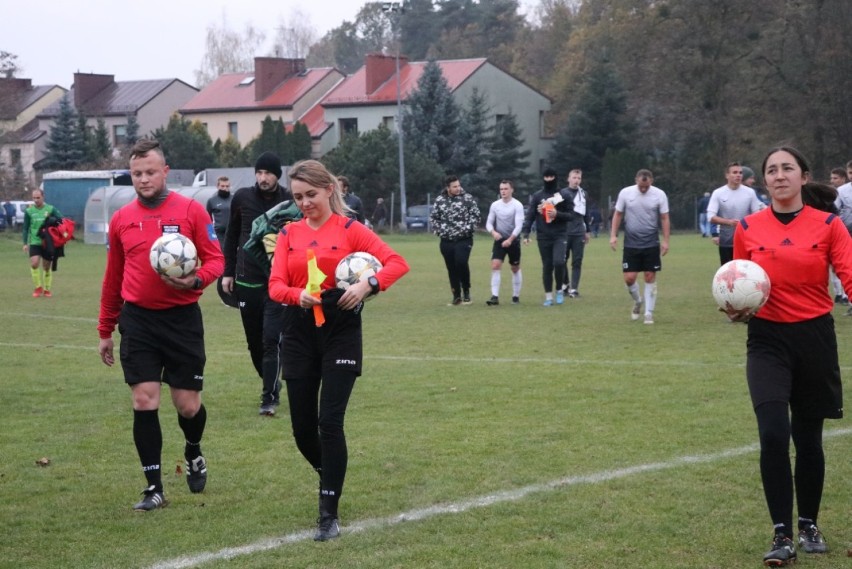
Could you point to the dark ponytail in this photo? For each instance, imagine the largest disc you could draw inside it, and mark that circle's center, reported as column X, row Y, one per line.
column 819, row 196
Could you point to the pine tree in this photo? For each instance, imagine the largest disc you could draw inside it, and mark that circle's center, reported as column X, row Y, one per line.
column 272, row 138
column 301, row 144
column 597, row 126
column 87, row 139
column 64, row 150
column 507, row 159
column 472, row 162
column 101, row 147
column 186, row 145
column 132, row 131
column 432, row 118
column 230, row 153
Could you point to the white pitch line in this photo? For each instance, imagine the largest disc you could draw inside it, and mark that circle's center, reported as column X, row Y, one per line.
column 28, row 316
column 188, row 561
column 453, row 359
column 426, row 358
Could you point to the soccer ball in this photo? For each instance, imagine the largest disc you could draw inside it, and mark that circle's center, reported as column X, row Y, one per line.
column 741, row 284
column 354, row 267
column 174, row 255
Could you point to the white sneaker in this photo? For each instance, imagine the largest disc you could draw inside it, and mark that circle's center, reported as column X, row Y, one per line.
column 649, row 318
column 637, row 310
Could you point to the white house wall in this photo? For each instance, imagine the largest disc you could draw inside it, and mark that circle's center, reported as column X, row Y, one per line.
column 248, row 122
column 504, row 92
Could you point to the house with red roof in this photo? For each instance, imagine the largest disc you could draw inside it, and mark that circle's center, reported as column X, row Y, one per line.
column 20, row 104
column 235, row 104
column 368, row 98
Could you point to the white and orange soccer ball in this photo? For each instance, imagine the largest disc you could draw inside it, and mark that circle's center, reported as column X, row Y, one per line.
column 174, row 255
column 740, row 285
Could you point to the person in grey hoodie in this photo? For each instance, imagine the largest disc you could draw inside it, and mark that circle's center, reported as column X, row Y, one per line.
column 578, row 232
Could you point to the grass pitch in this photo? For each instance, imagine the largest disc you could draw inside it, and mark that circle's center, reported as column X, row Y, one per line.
column 509, row 436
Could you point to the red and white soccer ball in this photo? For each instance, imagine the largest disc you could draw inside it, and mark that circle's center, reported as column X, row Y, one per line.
column 355, row 267
column 741, row 284
column 174, row 255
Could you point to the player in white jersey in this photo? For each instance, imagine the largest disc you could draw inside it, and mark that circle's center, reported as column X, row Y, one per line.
column 841, row 180
column 504, row 223
column 728, row 205
column 644, row 208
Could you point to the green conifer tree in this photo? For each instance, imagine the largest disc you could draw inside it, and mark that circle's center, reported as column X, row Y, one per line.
column 64, row 147
column 508, row 161
column 186, row 145
column 300, row 142
column 132, row 131
column 432, row 118
column 101, row 147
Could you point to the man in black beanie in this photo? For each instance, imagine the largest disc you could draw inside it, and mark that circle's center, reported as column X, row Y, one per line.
column 244, row 278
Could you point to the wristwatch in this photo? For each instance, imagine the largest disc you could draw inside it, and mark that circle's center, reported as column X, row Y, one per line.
column 374, row 284
column 197, row 284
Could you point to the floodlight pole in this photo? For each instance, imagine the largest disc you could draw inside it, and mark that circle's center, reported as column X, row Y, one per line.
column 397, row 8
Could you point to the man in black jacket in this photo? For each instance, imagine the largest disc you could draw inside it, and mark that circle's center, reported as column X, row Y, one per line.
column 244, row 278
column 550, row 211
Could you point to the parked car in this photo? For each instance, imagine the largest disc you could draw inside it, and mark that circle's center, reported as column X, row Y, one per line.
column 418, row 218
column 20, row 208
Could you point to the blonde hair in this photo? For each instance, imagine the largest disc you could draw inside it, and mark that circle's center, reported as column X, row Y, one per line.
column 315, row 174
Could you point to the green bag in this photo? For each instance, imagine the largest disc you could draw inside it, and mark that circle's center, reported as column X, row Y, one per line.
column 260, row 245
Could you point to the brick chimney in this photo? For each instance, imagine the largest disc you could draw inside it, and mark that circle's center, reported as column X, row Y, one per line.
column 15, row 85
column 87, row 85
column 269, row 72
column 12, row 90
column 380, row 68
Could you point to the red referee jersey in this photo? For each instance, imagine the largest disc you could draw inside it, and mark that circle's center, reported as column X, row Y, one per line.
column 331, row 242
column 129, row 277
column 796, row 257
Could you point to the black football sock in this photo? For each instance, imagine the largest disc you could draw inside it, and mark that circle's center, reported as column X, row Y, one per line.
column 149, row 444
column 193, row 429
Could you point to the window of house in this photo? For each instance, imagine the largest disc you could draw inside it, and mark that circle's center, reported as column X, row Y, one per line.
column 233, row 131
column 15, row 156
column 119, row 134
column 348, row 126
column 389, row 123
column 542, row 127
column 498, row 125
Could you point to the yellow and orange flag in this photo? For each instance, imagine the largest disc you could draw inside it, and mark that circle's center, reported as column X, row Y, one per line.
column 315, row 279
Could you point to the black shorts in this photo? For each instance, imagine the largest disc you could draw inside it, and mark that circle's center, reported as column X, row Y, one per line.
column 38, row 251
column 641, row 260
column 308, row 350
column 499, row 252
column 795, row 363
column 163, row 345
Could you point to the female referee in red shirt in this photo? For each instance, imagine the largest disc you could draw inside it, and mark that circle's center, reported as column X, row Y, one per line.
column 792, row 365
column 320, row 362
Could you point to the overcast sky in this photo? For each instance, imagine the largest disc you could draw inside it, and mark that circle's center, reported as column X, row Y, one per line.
column 148, row 39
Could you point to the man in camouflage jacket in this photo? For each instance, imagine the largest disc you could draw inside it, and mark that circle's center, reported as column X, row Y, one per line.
column 454, row 219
